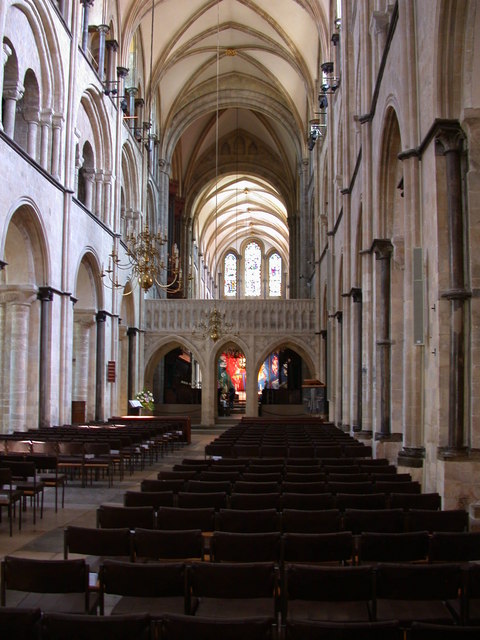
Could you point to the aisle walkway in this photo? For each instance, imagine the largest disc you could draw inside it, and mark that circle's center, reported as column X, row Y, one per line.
column 45, row 539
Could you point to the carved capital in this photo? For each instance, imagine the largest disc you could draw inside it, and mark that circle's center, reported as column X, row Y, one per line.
column 382, row 249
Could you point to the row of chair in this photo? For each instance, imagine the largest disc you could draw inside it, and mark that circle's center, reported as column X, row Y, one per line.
column 444, row 593
column 150, row 496
column 393, row 485
column 224, row 545
column 291, row 520
column 31, row 624
column 259, row 448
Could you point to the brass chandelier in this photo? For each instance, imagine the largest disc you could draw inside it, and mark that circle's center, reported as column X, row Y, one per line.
column 146, row 252
column 215, row 326
column 145, row 261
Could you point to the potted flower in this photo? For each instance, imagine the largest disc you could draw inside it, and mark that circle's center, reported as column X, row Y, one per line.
column 145, row 398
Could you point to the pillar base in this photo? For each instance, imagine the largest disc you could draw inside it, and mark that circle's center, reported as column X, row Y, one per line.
column 411, row 457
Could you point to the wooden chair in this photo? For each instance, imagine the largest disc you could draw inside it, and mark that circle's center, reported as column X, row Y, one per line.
column 200, row 628
column 235, row 591
column 345, row 501
column 313, row 630
column 457, row 546
column 9, row 498
column 308, row 501
column 179, row 518
column 49, row 474
column 154, row 588
column 256, row 500
column 378, row 520
column 112, row 517
column 426, row 631
column 161, row 545
column 247, row 520
column 430, row 501
column 417, row 592
column 327, row 593
column 303, row 521
column 20, row 624
column 428, row 520
column 226, row 546
column 393, row 547
column 217, row 500
column 318, row 548
column 51, row 585
column 153, row 499
column 97, row 545
column 24, row 477
column 120, row 627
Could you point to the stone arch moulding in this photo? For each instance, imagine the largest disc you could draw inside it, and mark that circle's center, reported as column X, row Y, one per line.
column 26, row 217
column 158, row 349
column 300, row 347
column 90, row 260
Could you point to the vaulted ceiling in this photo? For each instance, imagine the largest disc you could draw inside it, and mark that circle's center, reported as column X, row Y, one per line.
column 235, row 83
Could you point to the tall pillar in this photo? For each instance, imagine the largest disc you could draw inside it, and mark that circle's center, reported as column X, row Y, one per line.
column 17, row 323
column 100, row 318
column 86, row 4
column 131, row 368
column 88, row 177
column 102, row 35
column 45, row 129
column 451, row 141
column 83, row 322
column 131, row 92
column 5, row 53
column 356, row 294
column 57, row 121
column 32, row 119
column 98, row 195
column 383, row 251
column 45, row 295
column 111, row 47
column 11, row 95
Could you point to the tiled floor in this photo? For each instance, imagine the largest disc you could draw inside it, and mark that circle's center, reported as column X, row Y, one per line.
column 45, row 539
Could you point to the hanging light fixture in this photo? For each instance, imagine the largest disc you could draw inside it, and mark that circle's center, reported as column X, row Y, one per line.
column 146, row 258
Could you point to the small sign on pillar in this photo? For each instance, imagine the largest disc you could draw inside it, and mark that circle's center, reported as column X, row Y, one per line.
column 111, row 376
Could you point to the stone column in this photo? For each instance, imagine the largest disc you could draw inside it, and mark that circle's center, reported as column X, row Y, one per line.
column 107, row 199
column 18, row 302
column 32, row 118
column 131, row 365
column 131, row 92
column 45, row 129
column 57, row 122
column 451, row 141
column 100, row 318
column 86, row 4
column 45, row 295
column 111, row 47
column 356, row 294
column 5, row 53
column 11, row 95
column 98, row 195
column 383, row 251
column 83, row 322
column 102, row 35
column 88, row 177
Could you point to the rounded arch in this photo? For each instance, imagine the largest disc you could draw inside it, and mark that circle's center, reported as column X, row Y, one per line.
column 292, row 343
column 159, row 349
column 88, row 289
column 25, row 248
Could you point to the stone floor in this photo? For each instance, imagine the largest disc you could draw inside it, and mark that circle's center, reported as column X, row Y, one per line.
column 45, row 538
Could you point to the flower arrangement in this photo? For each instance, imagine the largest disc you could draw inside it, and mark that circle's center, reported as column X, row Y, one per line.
column 145, row 398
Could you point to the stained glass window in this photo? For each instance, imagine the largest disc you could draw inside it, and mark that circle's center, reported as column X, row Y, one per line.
column 230, row 276
column 253, row 270
column 275, row 275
